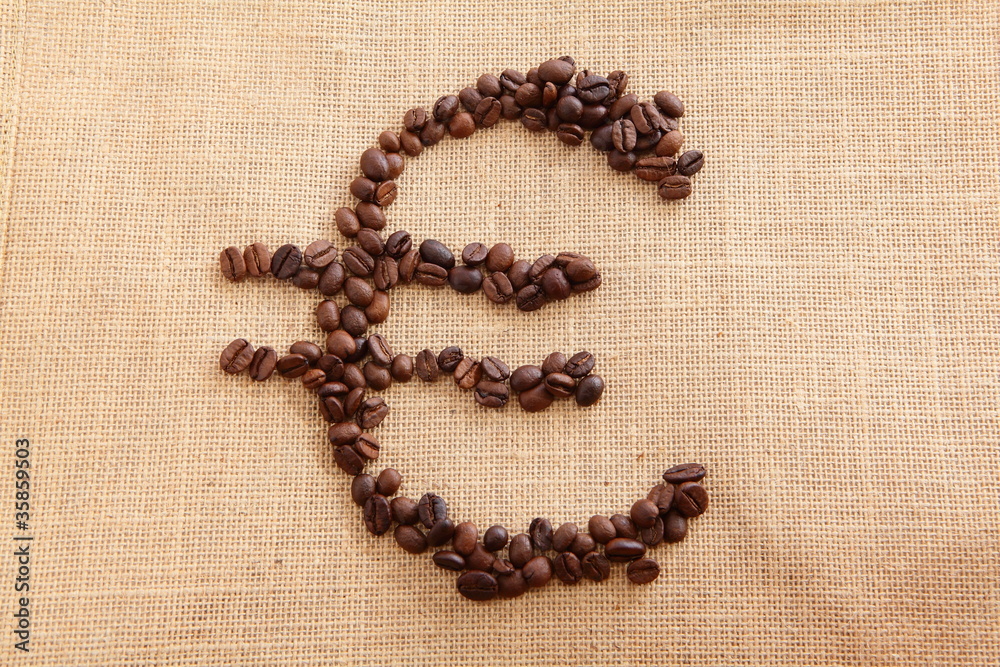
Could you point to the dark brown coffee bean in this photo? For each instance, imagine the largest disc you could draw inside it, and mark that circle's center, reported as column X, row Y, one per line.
column 333, row 365
column 601, row 529
column 579, row 365
column 410, row 539
column 401, row 368
column 690, row 499
column 328, row 315
column 362, row 488
column 477, row 585
column 669, row 143
column 643, row 571
column 644, row 513
column 495, row 538
column 503, row 567
column 333, row 387
column 353, row 320
column 363, row 188
column 619, row 82
column 343, row 433
column 331, row 408
column 263, row 363
column 537, row 572
column 489, row 85
column 415, row 120
column 487, row 112
column 467, row 373
column 431, row 509
column 426, row 366
column 358, row 291
column 663, row 496
column 521, row 549
column 441, row 533
column 340, row 343
column 623, row 135
column 372, row 412
column 541, row 533
column 674, row 527
column 389, row 142
column 462, row 125
column 388, row 482
column 446, row 107
column 555, row 284
column 398, row 244
column 582, row 545
column 593, row 116
column 466, row 538
column 570, row 134
column 526, row 377
column 386, row 273
column 595, row 566
column 465, row 279
column 560, row 385
column 540, row 266
column 622, row 106
column 669, row 103
column 646, row 118
column 491, row 394
column 655, row 168
column 674, row 187
column 313, row 379
column 652, row 535
column 292, row 366
column 511, row 80
column 347, row 222
column 475, row 254
column 528, row 95
column 580, row 270
column 353, row 376
column 494, row 369
column 408, row 265
column 563, row 536
column 601, row 138
column 497, row 288
column 449, row 560
column 386, row 193
column 377, row 377
column 432, row 133
column 306, row 278
column 377, row 515
column 622, row 549
column 620, row 161
column 380, row 350
column 470, row 97
column 535, row 120
column 358, row 261
column 592, row 89
column 624, row 527
column 332, row 279
column 588, row 285
column 686, row 472
column 568, row 568
column 371, row 242
column 530, row 297
column 518, row 274
column 404, row 511
column 370, row 215
column 378, row 310
column 690, row 163
column 435, row 252
column 374, row 165
column 257, row 259
column 480, row 559
column 348, row 460
column 237, row 356
column 554, row 363
column 367, row 446
column 449, row 358
column 647, row 142
column 569, row 109
column 558, row 72
column 231, row 262
column 410, row 143
column 286, row 261
column 535, row 399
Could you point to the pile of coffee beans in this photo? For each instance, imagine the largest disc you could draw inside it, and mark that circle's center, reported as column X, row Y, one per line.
column 353, row 361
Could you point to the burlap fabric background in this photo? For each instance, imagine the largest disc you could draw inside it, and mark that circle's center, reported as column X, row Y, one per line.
column 817, row 324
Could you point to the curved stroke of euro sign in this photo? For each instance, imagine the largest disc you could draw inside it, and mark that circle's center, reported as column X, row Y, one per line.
column 638, row 137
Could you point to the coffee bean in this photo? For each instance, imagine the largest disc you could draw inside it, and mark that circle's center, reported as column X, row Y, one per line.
column 646, row 118
column 426, row 366
column 690, row 499
column 560, row 385
column 313, row 379
column 370, row 215
column 237, row 356
column 353, row 320
column 563, row 536
column 408, row 265
column 624, row 527
column 362, row 488
column 441, row 533
column 540, row 266
column 332, row 279
column 521, row 549
column 674, row 527
column 582, row 544
column 386, row 273
column 386, row 193
column 534, row 120
column 343, row 433
column 257, row 259
column 328, row 315
column 347, row 222
column 646, row 142
column 623, row 135
column 494, row 369
column 465, row 279
column 358, row 261
column 495, row 538
column 530, row 297
column 263, row 363
column 333, row 365
column 569, row 109
column 511, row 80
column 415, row 120
column 622, row 549
column 526, row 377
column 404, row 511
column 231, row 262
column 470, row 97
column 492, row 394
column 410, row 539
column 431, row 274
column 401, row 367
column 374, row 164
column 467, row 373
column 595, row 566
column 601, row 138
column 558, row 72
column 432, row 133
column 592, row 89
column 311, row 351
column 622, row 106
column 358, row 291
column 378, row 310
column 644, row 513
column 601, row 529
column 643, row 571
column 620, row 161
column 690, row 163
column 588, row 285
column 377, row 515
column 331, row 408
column 512, row 585
column 340, row 344
column 353, row 376
column 348, row 460
column 537, row 572
column 449, row 560
column 568, row 568
column 465, row 538
column 410, row 143
column 669, row 103
column 480, row 559
column 663, row 496
column 292, row 365
column 535, row 399
column 489, row 85
column 379, row 349
column 619, row 82
column 371, row 242
column 579, row 365
column 372, row 412
column 674, row 187
column 446, row 107
column 333, row 388
column 554, row 363
column 670, row 143
column 541, row 533
column 476, row 585
column 555, row 284
column 286, row 261
column 570, row 134
column 503, row 567
column 655, row 168
column 363, row 188
column 462, row 125
column 377, row 377
column 487, row 113
column 449, row 358
column 652, row 535
column 475, row 254
column 497, row 288
column 518, row 274
column 306, row 278
column 528, row 95
column 389, row 141
column 398, row 244
column 431, row 509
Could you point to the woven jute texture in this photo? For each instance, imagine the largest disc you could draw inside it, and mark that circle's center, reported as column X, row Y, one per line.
column 817, row 324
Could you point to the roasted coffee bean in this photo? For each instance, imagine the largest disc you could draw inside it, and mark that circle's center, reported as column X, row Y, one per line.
column 410, row 143
column 410, row 539
column 475, row 254
column 462, row 125
column 643, row 571
column 362, row 488
column 623, row 106
column 449, row 560
column 237, row 356
column 286, row 261
column 371, row 242
column 583, row 544
column 595, row 566
column 619, row 82
column 372, row 412
column 360, row 353
column 467, row 373
column 377, row 377
column 494, row 369
column 367, row 445
column 588, row 285
column 408, row 265
column 370, row 216
column 386, row 273
column 426, row 366
column 537, row 572
column 331, row 408
column 343, row 433
column 644, row 513
column 690, row 499
column 404, row 511
column 306, row 278
column 541, row 533
column 257, row 259
column 554, row 363
column 431, row 509
column 470, row 97
column 669, row 104
column 441, row 533
column 263, row 363
column 670, row 143
column 374, row 165
column 526, row 377
column 569, row 109
column 535, row 120
column 593, row 116
column 377, row 515
column 690, row 163
column 333, row 388
column 465, row 279
column 379, row 349
column 487, row 112
column 601, row 138
column 354, row 377
column 415, row 120
column 328, row 315
column 332, row 279
column 333, row 365
column 560, row 385
column 389, row 142
column 398, row 244
column 686, row 472
column 563, row 536
column 528, row 95
column 646, row 118
column 521, row 549
column 652, row 535
column 466, row 538
column 386, row 193
column 655, row 168
column 363, row 188
column 647, row 142
column 623, row 135
column 231, row 262
column 620, row 161
column 674, row 527
column 476, row 585
column 358, row 291
column 388, row 482
column 358, row 261
column 557, row 71
column 495, row 538
column 622, row 549
column 292, row 366
column 663, row 496
column 624, row 527
column 492, row 394
column 378, row 310
column 432, row 133
column 568, row 568
column 446, row 107
column 511, row 80
column 535, row 399
column 550, row 93
column 348, row 460
column 540, row 266
column 435, row 252
column 579, row 365
column 530, row 297
column 601, row 529
column 518, row 274
column 489, row 85
column 340, row 343
column 570, row 134
column 555, row 284
column 497, row 288
column 402, row 368
column 480, row 559
column 313, row 379
column 674, row 187
column 592, row 89
column 347, row 222
column 449, row 358
column 353, row 320
column 503, row 567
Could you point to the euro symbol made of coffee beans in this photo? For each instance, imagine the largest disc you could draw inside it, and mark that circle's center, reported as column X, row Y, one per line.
column 638, row 137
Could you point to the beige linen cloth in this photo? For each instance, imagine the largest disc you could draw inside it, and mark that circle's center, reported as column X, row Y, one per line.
column 817, row 324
